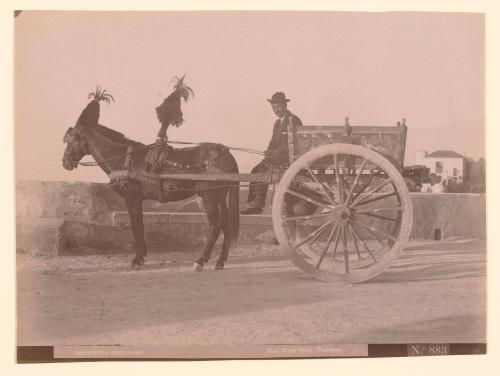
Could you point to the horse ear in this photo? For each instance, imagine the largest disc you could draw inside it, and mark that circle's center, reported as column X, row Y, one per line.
column 89, row 115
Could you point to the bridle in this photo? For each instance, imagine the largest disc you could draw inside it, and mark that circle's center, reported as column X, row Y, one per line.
column 70, row 135
column 74, row 139
column 73, row 134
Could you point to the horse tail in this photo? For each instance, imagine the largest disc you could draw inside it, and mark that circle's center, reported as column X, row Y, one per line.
column 233, row 199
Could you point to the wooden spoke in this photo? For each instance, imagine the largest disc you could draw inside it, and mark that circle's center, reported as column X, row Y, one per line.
column 337, row 238
column 378, row 210
column 362, row 242
column 366, row 185
column 354, row 241
column 371, row 229
column 363, row 202
column 372, row 191
column 316, row 237
column 325, row 189
column 306, row 217
column 355, row 181
column 346, row 251
column 328, row 243
column 380, row 217
column 308, row 199
column 312, row 234
column 337, row 178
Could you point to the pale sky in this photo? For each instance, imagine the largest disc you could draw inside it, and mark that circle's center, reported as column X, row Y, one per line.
column 375, row 68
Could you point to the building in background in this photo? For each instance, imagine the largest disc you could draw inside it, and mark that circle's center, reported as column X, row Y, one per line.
column 454, row 172
column 447, row 164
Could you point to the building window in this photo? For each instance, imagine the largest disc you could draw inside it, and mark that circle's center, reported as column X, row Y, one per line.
column 455, row 171
column 439, row 167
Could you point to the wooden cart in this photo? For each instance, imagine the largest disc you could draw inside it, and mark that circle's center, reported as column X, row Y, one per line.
column 341, row 210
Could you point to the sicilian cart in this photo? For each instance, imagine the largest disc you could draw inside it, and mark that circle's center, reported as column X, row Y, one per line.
column 341, row 209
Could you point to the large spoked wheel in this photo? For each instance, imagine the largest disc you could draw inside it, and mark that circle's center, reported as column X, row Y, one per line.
column 342, row 213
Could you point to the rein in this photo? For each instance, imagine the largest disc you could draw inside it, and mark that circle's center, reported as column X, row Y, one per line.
column 96, row 163
column 172, row 189
column 246, row 150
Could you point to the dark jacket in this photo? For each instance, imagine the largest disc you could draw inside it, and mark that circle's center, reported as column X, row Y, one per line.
column 277, row 150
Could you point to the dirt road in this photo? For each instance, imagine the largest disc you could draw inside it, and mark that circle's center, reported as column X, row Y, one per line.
column 434, row 293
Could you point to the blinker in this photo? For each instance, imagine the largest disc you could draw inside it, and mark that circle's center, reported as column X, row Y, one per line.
column 69, row 136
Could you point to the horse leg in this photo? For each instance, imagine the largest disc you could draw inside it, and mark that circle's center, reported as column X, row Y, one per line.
column 140, row 231
column 134, row 207
column 214, row 227
column 227, row 236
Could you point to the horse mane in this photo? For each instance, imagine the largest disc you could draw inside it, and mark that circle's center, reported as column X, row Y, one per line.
column 114, row 136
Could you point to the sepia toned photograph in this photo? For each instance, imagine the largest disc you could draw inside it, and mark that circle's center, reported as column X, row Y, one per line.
column 195, row 185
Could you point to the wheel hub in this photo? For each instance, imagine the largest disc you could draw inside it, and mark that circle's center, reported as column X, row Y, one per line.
column 341, row 214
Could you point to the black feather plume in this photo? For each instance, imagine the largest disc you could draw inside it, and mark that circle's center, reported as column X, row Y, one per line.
column 90, row 114
column 169, row 112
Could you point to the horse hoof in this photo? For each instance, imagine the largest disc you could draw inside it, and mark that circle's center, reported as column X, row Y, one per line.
column 137, row 263
column 197, row 267
column 219, row 266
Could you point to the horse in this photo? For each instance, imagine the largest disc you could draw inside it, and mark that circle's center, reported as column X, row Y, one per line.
column 125, row 162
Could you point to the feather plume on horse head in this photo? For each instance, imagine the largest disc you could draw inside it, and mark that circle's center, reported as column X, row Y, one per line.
column 169, row 112
column 90, row 114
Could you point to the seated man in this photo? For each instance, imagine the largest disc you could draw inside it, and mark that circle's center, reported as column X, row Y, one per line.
column 276, row 153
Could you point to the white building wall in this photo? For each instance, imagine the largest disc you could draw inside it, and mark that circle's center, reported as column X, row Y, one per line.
column 448, row 165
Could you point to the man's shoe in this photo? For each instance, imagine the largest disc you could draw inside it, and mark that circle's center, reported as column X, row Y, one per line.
column 251, row 211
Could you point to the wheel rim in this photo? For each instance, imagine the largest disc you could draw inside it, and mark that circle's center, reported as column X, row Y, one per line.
column 342, row 212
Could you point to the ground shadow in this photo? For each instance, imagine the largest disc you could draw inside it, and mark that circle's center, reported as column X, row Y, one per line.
column 437, row 261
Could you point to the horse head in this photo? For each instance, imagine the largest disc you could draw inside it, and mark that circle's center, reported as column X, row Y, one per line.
column 76, row 148
column 77, row 145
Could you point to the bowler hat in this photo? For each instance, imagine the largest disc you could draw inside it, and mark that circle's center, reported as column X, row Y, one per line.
column 278, row 97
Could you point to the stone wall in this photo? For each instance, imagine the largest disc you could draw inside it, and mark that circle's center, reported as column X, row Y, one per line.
column 54, row 218
column 48, row 213
column 94, row 202
column 455, row 214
